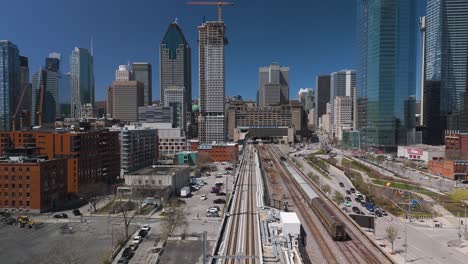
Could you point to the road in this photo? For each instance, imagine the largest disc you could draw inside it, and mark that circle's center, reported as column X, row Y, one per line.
column 241, row 236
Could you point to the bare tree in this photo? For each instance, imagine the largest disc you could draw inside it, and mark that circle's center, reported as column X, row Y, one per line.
column 392, row 234
column 128, row 209
column 175, row 216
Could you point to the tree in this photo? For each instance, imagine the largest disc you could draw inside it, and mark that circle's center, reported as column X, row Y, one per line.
column 392, row 234
column 128, row 213
column 326, row 188
column 174, row 216
column 338, row 198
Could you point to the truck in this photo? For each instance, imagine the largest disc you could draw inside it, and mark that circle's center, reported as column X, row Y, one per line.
column 185, row 192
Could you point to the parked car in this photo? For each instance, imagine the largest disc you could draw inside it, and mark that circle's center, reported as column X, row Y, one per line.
column 76, row 212
column 122, row 260
column 212, row 210
column 133, row 247
column 363, row 203
column 341, row 184
column 347, row 199
column 357, row 199
column 348, row 192
column 215, row 190
column 219, row 201
column 142, row 233
column 383, row 213
column 146, row 227
column 212, row 214
column 221, row 194
column 357, row 193
column 352, row 190
column 347, row 204
column 128, row 253
column 61, row 215
column 356, row 210
column 203, row 197
column 378, row 213
column 137, row 240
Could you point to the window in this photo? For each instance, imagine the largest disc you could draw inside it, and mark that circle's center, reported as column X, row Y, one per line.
column 6, row 203
column 27, row 203
column 160, row 182
column 152, row 182
column 146, row 181
column 20, row 194
column 27, row 177
column 27, row 169
column 27, row 195
column 6, row 185
column 13, row 194
column 13, row 203
column 20, row 186
column 12, row 185
column 20, row 203
column 13, row 178
column 27, row 186
column 20, row 178
column 6, row 177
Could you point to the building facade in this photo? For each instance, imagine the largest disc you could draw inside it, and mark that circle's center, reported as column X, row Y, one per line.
column 273, row 86
column 212, row 119
column 306, row 97
column 322, row 96
column 343, row 115
column 446, row 60
column 176, row 75
column 160, row 177
column 342, row 83
column 142, row 72
column 387, row 64
column 127, row 96
column 9, row 82
column 123, row 73
column 81, row 80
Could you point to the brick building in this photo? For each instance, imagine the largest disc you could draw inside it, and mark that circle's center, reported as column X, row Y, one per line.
column 32, row 183
column 92, row 157
column 455, row 165
column 221, row 152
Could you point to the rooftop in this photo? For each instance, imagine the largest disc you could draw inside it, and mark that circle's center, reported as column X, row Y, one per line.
column 426, row 147
column 158, row 170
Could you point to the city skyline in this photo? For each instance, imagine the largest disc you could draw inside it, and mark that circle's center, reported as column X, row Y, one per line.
column 241, row 74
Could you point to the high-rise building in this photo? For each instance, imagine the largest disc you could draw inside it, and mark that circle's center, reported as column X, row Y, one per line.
column 342, row 83
column 64, row 103
column 156, row 114
column 387, row 79
column 52, row 63
column 81, row 80
column 322, row 96
column 343, row 115
column 110, row 102
column 123, row 73
column 9, row 82
column 274, row 85
column 306, row 97
column 212, row 118
column 142, row 72
column 176, row 75
column 23, row 115
column 446, row 45
column 127, row 96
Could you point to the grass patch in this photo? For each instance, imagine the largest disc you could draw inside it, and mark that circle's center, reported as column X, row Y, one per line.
column 319, row 165
column 298, row 164
column 403, row 186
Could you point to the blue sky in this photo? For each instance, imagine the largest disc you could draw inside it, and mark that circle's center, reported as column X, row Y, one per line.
column 310, row 36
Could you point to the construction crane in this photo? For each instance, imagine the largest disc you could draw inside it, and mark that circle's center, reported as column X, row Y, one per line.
column 219, row 4
column 18, row 106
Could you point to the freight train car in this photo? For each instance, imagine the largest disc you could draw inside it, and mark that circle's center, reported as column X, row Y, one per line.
column 334, row 226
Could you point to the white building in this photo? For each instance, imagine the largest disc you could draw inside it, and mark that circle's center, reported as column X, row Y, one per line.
column 342, row 83
column 171, row 140
column 160, row 177
column 343, row 113
column 421, row 152
column 123, row 73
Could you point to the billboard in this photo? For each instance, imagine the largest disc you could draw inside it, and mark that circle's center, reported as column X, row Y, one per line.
column 414, row 151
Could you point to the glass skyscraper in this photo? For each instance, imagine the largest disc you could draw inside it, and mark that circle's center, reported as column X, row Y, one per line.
column 387, row 72
column 81, row 80
column 9, row 82
column 446, row 65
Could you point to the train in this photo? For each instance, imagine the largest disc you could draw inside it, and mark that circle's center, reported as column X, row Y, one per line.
column 334, row 226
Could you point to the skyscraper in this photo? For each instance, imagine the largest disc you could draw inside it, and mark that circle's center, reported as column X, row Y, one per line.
column 123, row 73
column 445, row 65
column 212, row 118
column 387, row 78
column 342, row 83
column 9, row 82
column 81, row 80
column 23, row 115
column 127, row 96
column 142, row 72
column 273, row 85
column 322, row 96
column 306, row 96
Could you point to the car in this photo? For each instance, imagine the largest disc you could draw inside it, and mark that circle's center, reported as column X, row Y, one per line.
column 215, row 190
column 136, row 240
column 146, row 227
column 347, row 204
column 383, row 213
column 347, row 199
column 352, row 190
column 76, row 212
column 128, row 253
column 219, row 201
column 357, row 199
column 143, row 233
column 221, row 194
column 212, row 210
column 203, row 197
column 378, row 213
column 363, row 204
column 122, row 260
column 212, row 214
column 357, row 193
column 341, row 184
column 61, row 215
column 133, row 247
column 356, row 210
column 348, row 192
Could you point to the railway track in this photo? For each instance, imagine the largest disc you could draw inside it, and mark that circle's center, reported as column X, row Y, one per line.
column 241, row 232
column 296, row 193
column 359, row 249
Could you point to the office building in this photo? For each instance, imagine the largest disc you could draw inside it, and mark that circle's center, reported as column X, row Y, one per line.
column 109, row 102
column 273, row 87
column 123, row 73
column 387, row 65
column 212, row 119
column 32, row 183
column 22, row 118
column 219, row 152
column 127, row 96
column 342, row 83
column 322, row 96
column 160, row 177
column 176, row 75
column 343, row 113
column 93, row 157
column 81, row 80
column 142, row 72
column 9, row 82
column 138, row 147
column 446, row 45
column 306, row 97
column 156, row 114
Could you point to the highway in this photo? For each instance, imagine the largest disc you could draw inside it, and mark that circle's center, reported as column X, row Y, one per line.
column 241, row 240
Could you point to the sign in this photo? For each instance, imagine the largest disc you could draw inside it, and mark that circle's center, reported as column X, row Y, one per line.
column 414, row 151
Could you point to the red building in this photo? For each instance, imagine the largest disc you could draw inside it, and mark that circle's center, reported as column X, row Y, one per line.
column 32, row 184
column 456, row 146
column 227, row 152
column 455, row 165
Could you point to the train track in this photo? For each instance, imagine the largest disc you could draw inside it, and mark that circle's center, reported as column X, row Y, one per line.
column 296, row 193
column 241, row 235
column 359, row 249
